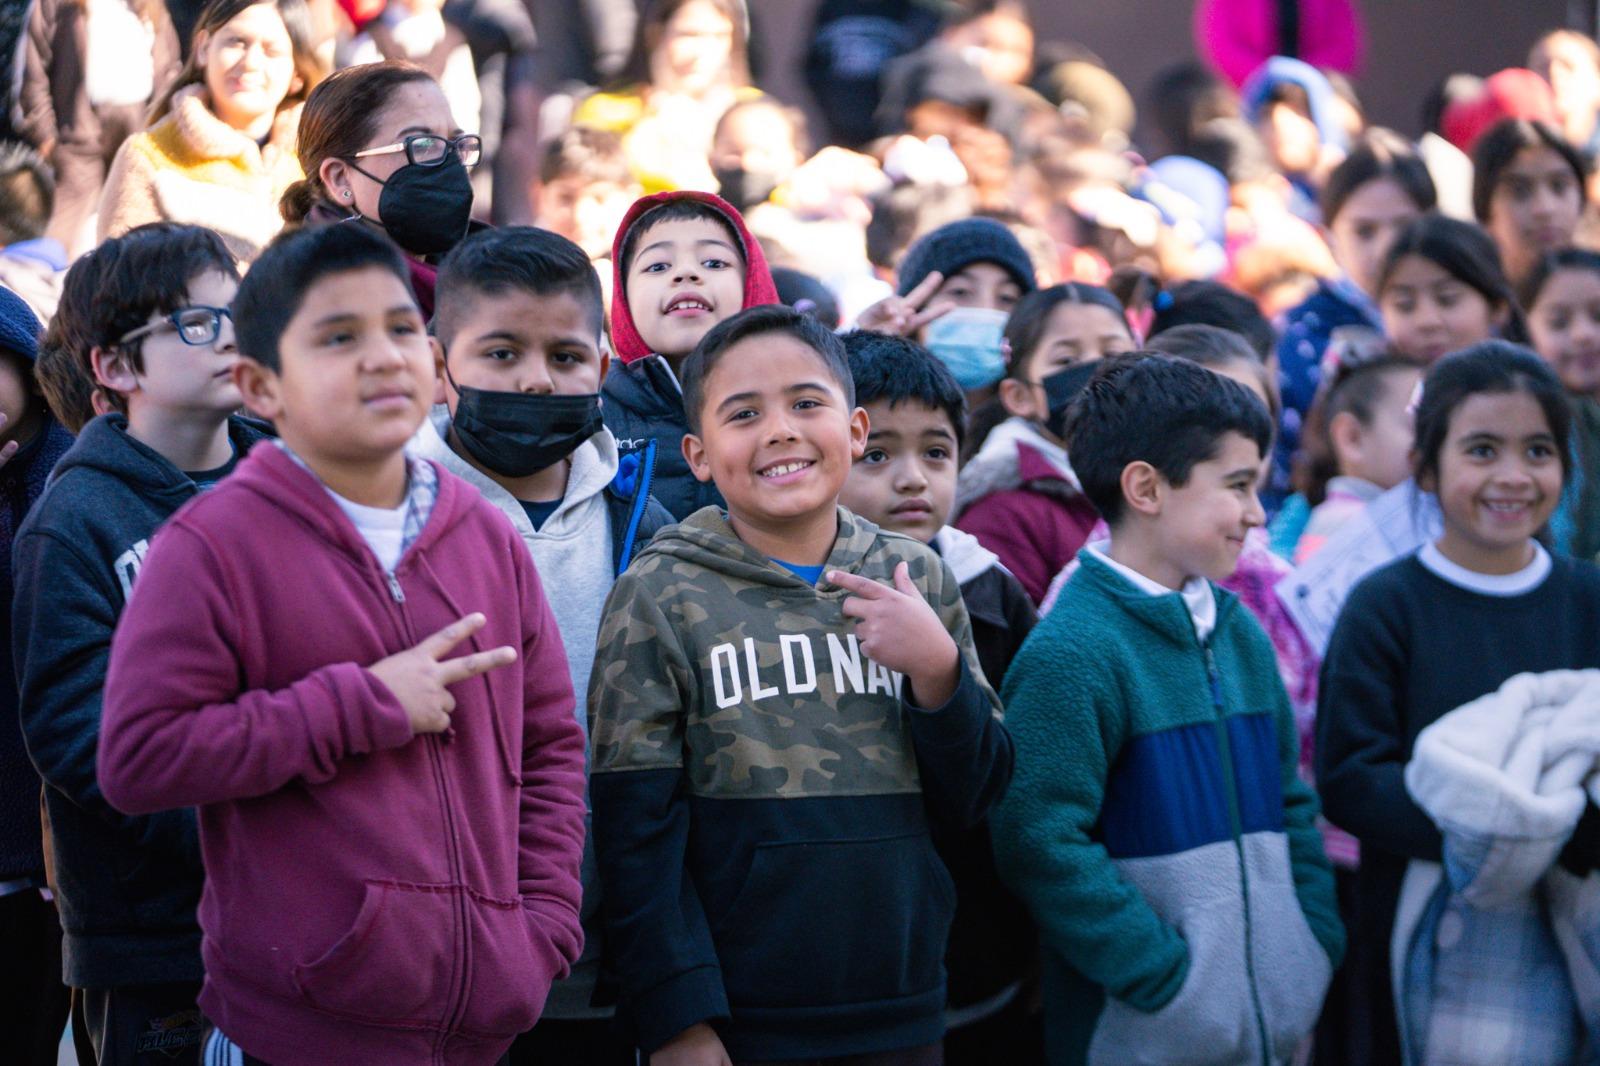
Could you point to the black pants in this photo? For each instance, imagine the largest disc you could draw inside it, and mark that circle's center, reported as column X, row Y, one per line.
column 929, row 1055
column 33, row 1001
column 1013, row 1036
column 554, row 1042
column 138, row 1025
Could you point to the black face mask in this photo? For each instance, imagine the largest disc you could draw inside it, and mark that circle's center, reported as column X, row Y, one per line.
column 1060, row 389
column 744, row 189
column 515, row 434
column 425, row 209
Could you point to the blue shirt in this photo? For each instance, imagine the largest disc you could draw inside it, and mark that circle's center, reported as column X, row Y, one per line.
column 809, row 574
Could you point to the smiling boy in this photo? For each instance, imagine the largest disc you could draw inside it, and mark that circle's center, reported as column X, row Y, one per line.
column 683, row 261
column 1157, row 828
column 771, row 741
column 380, row 737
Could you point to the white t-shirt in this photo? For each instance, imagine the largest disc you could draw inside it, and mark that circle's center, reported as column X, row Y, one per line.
column 1527, row 579
column 383, row 528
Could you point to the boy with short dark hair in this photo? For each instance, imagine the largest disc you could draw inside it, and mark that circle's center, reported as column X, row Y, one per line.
column 380, row 735
column 682, row 262
column 522, row 354
column 1157, row 828
column 770, row 746
column 155, row 336
column 905, row 482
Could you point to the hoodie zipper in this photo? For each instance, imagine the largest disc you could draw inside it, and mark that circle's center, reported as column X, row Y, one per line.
column 457, row 1003
column 1231, row 784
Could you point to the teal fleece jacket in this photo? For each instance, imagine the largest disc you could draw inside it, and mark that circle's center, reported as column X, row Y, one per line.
column 1158, row 831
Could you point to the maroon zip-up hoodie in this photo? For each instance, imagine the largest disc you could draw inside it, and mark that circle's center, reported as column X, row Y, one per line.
column 371, row 896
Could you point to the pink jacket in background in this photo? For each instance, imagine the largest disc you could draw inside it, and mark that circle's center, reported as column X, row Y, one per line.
column 1237, row 36
column 371, row 896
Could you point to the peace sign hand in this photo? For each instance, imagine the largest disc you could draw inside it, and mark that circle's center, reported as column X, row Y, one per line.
column 904, row 315
column 896, row 628
column 419, row 676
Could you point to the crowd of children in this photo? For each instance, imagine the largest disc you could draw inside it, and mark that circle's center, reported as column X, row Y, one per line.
column 847, row 620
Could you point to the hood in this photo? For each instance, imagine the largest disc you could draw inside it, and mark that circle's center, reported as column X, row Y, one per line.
column 706, row 539
column 1016, row 454
column 106, row 445
column 758, row 286
column 966, row 557
column 594, row 464
column 275, row 475
column 1283, row 70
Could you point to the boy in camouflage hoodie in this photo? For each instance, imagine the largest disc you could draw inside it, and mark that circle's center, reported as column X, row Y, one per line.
column 783, row 696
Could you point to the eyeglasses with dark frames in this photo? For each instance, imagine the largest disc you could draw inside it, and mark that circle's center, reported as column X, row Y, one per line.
column 196, row 325
column 428, row 150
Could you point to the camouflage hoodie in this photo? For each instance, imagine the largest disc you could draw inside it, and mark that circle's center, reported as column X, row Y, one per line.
column 762, row 796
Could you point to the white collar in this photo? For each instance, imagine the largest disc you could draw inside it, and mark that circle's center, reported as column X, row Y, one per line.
column 1196, row 592
column 1527, row 579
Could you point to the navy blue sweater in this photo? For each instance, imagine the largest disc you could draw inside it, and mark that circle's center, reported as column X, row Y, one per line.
column 126, row 887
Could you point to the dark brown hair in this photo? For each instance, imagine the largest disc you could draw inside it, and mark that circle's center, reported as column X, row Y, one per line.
column 114, row 290
column 296, row 17
column 653, row 20
column 341, row 116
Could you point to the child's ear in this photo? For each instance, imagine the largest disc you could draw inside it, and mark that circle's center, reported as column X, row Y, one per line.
column 259, row 388
column 1426, row 480
column 1143, row 488
column 113, row 370
column 1017, row 398
column 694, row 453
column 860, row 426
column 1502, row 317
column 1345, row 433
column 605, row 362
column 440, row 393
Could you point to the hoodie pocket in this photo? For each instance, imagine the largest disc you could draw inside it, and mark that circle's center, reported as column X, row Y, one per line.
column 513, row 962
column 395, row 964
column 1210, row 1022
column 835, row 922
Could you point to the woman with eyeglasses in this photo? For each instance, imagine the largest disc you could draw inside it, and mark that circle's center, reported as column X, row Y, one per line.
column 380, row 147
column 219, row 150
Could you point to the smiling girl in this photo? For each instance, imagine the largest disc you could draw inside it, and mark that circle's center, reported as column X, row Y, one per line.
column 1440, row 628
column 220, row 147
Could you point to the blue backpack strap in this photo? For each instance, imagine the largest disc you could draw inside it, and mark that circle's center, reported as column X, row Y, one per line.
column 642, row 474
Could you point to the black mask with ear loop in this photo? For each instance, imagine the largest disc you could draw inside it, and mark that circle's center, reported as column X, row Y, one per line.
column 425, row 209
column 1060, row 389
column 515, row 434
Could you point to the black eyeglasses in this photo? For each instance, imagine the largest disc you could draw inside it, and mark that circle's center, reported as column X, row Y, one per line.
column 196, row 325
column 427, row 150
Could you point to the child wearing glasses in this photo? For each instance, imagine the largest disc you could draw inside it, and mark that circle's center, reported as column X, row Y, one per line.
column 380, row 148
column 147, row 314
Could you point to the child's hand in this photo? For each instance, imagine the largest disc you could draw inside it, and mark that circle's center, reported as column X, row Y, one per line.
column 418, row 677
column 697, row 1045
column 904, row 315
column 896, row 628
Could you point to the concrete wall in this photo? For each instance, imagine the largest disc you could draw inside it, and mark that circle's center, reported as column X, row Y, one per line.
column 1411, row 44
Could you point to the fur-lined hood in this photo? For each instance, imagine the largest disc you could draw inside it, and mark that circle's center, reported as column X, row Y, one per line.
column 1017, row 455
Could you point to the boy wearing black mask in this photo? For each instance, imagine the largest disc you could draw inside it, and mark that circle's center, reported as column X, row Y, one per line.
column 521, row 356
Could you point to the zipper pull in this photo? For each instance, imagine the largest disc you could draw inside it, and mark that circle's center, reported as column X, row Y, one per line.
column 1211, row 676
column 394, row 588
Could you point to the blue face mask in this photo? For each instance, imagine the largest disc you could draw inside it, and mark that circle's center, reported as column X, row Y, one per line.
column 970, row 342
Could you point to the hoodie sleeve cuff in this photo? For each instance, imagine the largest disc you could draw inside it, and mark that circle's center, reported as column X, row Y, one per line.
column 956, row 721
column 686, row 999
